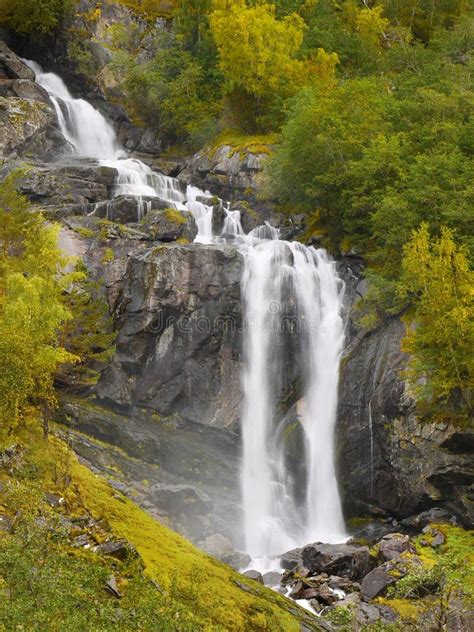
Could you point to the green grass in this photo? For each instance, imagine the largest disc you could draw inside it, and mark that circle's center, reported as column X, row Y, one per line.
column 180, row 588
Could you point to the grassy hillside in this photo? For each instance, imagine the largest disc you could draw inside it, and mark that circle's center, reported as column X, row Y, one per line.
column 57, row 520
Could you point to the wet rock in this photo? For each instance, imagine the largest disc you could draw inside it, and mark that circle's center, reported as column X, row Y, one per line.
column 344, row 584
column 272, row 578
column 344, row 560
column 393, row 545
column 180, row 499
column 291, row 559
column 376, row 582
column 409, row 468
column 372, row 531
column 251, row 574
column 178, row 350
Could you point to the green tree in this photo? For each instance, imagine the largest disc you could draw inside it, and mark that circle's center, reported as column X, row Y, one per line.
column 326, row 134
column 423, row 16
column 168, row 92
column 437, row 281
column 33, row 16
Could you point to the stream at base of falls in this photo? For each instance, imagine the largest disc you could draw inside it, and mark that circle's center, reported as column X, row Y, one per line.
column 281, row 510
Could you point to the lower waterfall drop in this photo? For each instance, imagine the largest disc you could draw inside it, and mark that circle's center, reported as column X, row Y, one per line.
column 269, row 501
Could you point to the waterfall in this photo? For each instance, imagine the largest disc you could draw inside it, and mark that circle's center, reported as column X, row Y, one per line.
column 270, row 503
column 277, row 274
column 90, row 135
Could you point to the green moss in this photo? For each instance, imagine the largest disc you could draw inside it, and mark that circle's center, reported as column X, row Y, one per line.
column 85, row 232
column 172, row 215
column 408, row 609
column 108, row 255
column 207, row 594
column 242, row 144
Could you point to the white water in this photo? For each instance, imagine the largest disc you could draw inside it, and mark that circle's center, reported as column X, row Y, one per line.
column 90, row 135
column 273, row 270
column 275, row 273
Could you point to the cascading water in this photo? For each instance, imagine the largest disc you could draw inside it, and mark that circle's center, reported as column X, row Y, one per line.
column 84, row 127
column 91, row 136
column 276, row 273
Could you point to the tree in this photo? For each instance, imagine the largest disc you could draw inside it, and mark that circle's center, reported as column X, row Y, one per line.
column 33, row 16
column 326, row 133
column 32, row 306
column 423, row 16
column 258, row 57
column 437, row 280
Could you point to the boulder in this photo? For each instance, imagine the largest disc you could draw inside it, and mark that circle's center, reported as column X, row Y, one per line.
column 170, row 225
column 436, row 515
column 11, row 66
column 180, row 499
column 24, row 89
column 345, row 560
column 254, row 575
column 272, row 578
column 217, row 545
column 393, row 545
column 26, row 127
column 236, row 560
column 291, row 559
column 376, row 582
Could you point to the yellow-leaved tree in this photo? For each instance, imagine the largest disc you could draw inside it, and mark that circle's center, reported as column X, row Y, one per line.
column 32, row 306
column 437, row 280
column 258, row 57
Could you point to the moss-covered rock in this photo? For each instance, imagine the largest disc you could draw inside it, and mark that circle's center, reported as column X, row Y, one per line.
column 26, row 127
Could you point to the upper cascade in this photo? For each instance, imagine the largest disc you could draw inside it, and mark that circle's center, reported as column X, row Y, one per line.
column 279, row 511
column 90, row 135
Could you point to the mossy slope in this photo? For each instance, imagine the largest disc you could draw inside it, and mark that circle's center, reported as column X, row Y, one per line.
column 181, row 587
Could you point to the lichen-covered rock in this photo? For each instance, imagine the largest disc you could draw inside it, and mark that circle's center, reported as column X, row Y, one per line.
column 170, row 225
column 26, row 127
column 227, row 172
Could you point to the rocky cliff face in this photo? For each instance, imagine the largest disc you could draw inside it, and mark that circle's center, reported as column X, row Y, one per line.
column 387, row 459
column 178, row 317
